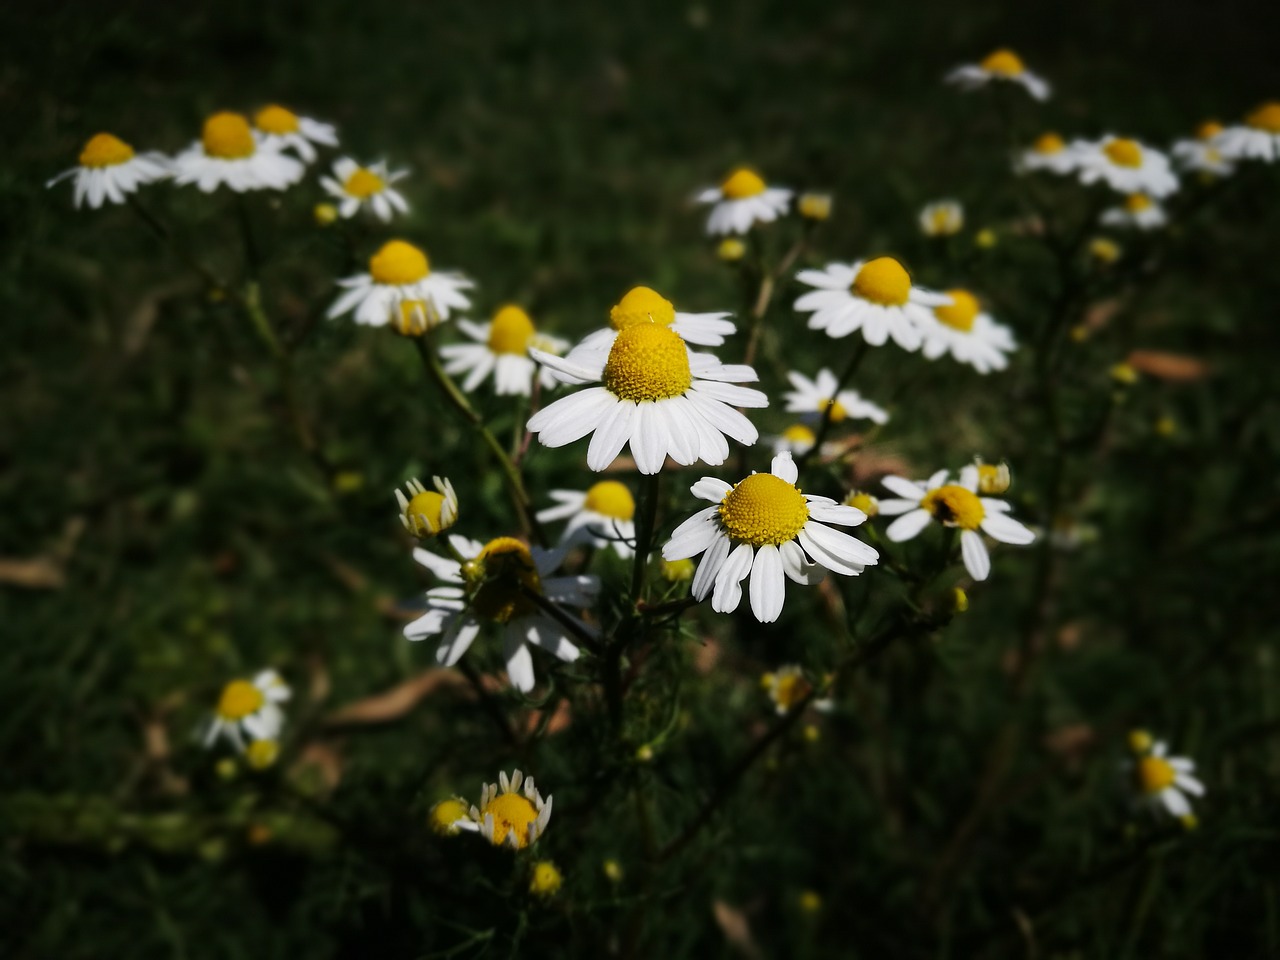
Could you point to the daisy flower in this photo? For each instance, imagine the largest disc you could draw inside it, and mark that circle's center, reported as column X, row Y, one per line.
column 874, row 296
column 797, row 439
column 1049, row 152
column 424, row 512
column 742, row 200
column 603, row 516
column 814, row 206
column 1163, row 782
column 502, row 348
column 249, row 708
column 646, row 305
column 993, row 478
column 444, row 816
column 962, row 329
column 820, row 395
column 1002, row 66
column 654, row 393
column 1257, row 139
column 765, row 527
column 1139, row 211
column 945, row 218
column 281, row 129
column 492, row 587
column 1127, row 166
column 399, row 279
column 354, row 186
column 953, row 505
column 509, row 817
column 109, row 169
column 787, row 686
column 228, row 152
column 1202, row 153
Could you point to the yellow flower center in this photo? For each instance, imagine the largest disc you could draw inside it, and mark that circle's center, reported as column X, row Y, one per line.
column 512, row 813
column 423, row 513
column 763, row 509
column 742, row 183
column 994, row 478
column 239, row 699
column 1208, row 130
column 961, row 312
column 1124, row 153
column 510, row 331
column 799, row 434
column 498, row 579
column 642, row 305
column 1137, row 202
column 884, row 281
column 546, row 879
column 262, row 753
column 398, row 264
column 1140, row 741
column 104, row 150
column 610, row 498
column 276, row 119
column 1155, row 774
column 363, row 184
column 647, row 362
column 677, row 571
column 789, row 688
column 1266, row 117
column 227, row 135
column 954, row 506
column 814, row 206
column 413, row 318
column 731, row 249
column 864, row 502
column 836, row 408
column 443, row 816
column 1006, row 63
column 1048, row 143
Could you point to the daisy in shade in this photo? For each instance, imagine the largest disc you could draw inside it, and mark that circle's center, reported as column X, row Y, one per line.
column 1003, row 66
column 109, row 169
column 1139, row 211
column 766, row 528
column 646, row 305
column 942, row 219
column 1127, row 166
column 249, row 708
column 492, row 586
column 742, row 200
column 1202, row 154
column 953, row 505
column 229, row 152
column 649, row 390
column 874, row 296
column 400, row 278
column 1257, row 139
column 1049, row 152
column 502, row 348
column 354, row 186
column 819, row 395
column 962, row 329
column 603, row 516
column 424, row 512
column 283, row 129
column 1163, row 782
column 511, row 814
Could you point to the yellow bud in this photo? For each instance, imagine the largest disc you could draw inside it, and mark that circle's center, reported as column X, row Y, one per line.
column 1139, row 741
column 1189, row 821
column 809, row 902
column 1124, row 374
column 814, row 206
column 811, row 733
column 1166, row 426
column 1079, row 333
column 1104, row 250
column 863, row 501
column 546, row 879
column 677, row 571
column 325, row 214
column 731, row 249
column 226, row 768
column 612, row 871
column 959, row 601
column 444, row 815
column 644, row 754
column 985, row 238
column 348, row 481
column 262, row 753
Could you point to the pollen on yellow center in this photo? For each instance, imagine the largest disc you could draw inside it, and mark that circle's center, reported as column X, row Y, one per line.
column 763, row 509
column 1048, row 143
column 1124, row 153
column 954, row 506
column 1004, row 62
column 276, row 119
column 609, row 498
column 884, row 281
column 647, row 362
column 227, row 136
column 500, row 578
column 510, row 331
column 512, row 813
column 398, row 263
column 1155, row 774
column 641, row 305
column 1208, row 130
column 1266, row 117
column 1137, row 202
column 363, row 184
column 239, row 699
column 104, row 150
column 424, row 511
column 961, row 312
column 742, row 183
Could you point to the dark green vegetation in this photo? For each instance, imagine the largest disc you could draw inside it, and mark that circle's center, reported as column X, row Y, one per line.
column 963, row 798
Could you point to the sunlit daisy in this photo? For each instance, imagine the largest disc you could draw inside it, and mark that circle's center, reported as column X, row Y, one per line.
column 819, row 396
column 1127, row 166
column 426, row 513
column 1163, row 782
column 502, row 348
column 493, row 586
column 281, row 128
column 964, row 330
column 945, row 218
column 953, row 505
column 1257, row 139
column 603, row 516
column 400, row 278
column 874, row 296
column 646, row 305
column 109, row 169
column 354, row 186
column 1049, row 152
column 229, row 152
column 1139, row 211
column 742, row 200
column 787, row 686
column 1202, row 153
column 509, row 816
column 249, row 708
column 1003, row 66
column 766, row 528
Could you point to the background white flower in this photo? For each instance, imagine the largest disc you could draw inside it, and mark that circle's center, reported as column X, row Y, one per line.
column 742, row 200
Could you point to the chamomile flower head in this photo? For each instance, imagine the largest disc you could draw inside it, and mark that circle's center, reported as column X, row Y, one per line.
column 797, row 439
column 1163, row 783
column 603, row 516
column 1127, row 166
column 424, row 512
column 821, row 397
column 501, row 347
column 400, row 278
column 545, row 880
column 1002, row 66
column 496, row 586
column 229, row 153
column 249, row 708
column 645, row 305
column 444, row 816
column 262, row 754
column 787, row 687
column 766, row 528
column 814, row 206
column 650, row 390
column 862, row 501
column 953, row 505
column 1048, row 152
column 511, row 813
column 945, row 218
column 109, row 169
column 282, row 129
column 874, row 296
column 1139, row 212
column 994, row 479
column 1202, row 153
column 963, row 329
column 741, row 201
column 1258, row 138
column 357, row 187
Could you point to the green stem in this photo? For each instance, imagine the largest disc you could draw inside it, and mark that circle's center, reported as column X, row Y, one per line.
column 648, row 515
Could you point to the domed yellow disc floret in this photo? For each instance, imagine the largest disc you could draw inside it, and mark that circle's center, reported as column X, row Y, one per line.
column 884, row 281
column 443, row 816
column 1155, row 774
column 104, row 150
column 227, row 136
column 262, row 753
column 276, row 119
column 512, row 813
column 546, row 879
column 1266, row 117
column 398, row 263
column 1208, row 130
column 961, row 312
column 642, row 305
column 239, row 699
column 864, row 502
column 363, row 184
column 1004, row 62
column 609, row 498
column 1137, row 202
column 1140, row 741
column 510, row 331
column 498, row 579
column 742, row 183
column 954, row 506
column 798, row 433
column 763, row 509
column 647, row 362
column 1048, row 143
column 1124, row 153
column 423, row 513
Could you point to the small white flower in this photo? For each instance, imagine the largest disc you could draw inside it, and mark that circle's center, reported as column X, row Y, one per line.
column 249, row 707
column 646, row 305
column 1163, row 782
column 969, row 334
column 945, row 218
column 400, row 277
column 1203, row 154
column 1049, row 152
column 109, row 169
column 502, row 348
column 283, row 129
column 1126, row 166
column 874, row 296
column 354, row 186
column 1003, row 66
column 1139, row 211
column 818, row 395
column 229, row 153
column 603, row 516
column 426, row 513
column 1257, row 139
column 509, row 817
column 742, row 200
